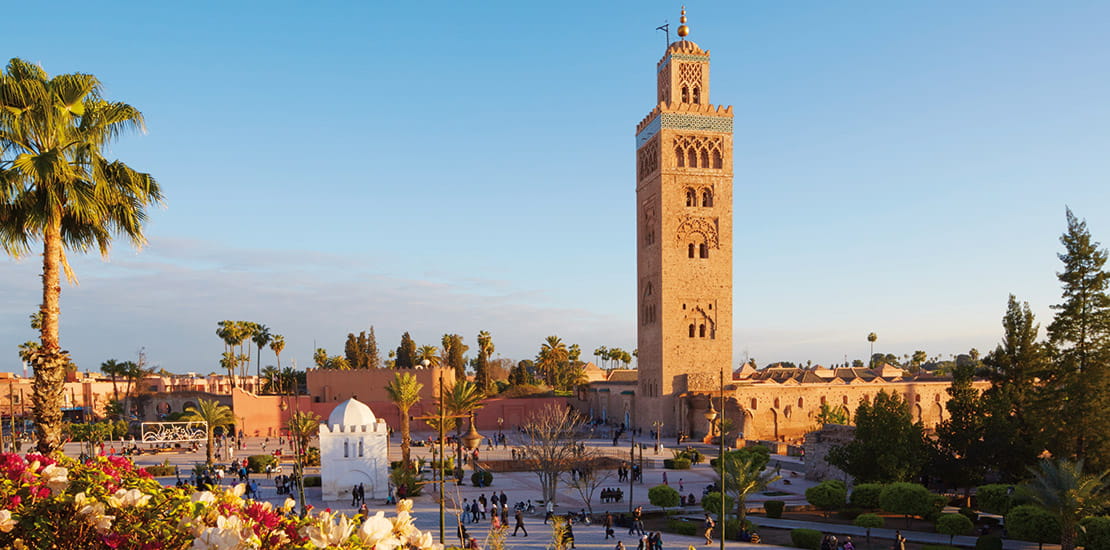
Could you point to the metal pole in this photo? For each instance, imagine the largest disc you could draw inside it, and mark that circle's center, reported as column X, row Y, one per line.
column 442, row 458
column 631, row 462
column 721, row 461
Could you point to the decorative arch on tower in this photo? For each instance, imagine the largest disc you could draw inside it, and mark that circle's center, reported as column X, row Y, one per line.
column 696, row 230
column 706, row 152
column 700, row 323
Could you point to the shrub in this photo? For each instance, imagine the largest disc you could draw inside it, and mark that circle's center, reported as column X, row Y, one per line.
column 407, row 482
column 163, row 469
column 311, row 456
column 869, row 522
column 866, row 495
column 257, row 463
column 954, row 524
column 1033, row 524
column 969, row 513
column 996, row 498
column 663, row 496
column 849, row 513
column 1095, row 534
column 774, row 508
column 806, row 538
column 711, row 503
column 988, row 542
column 827, row 495
column 312, row 481
column 681, row 527
column 676, row 463
column 908, row 499
column 691, row 454
column 732, row 528
column 481, row 478
column 762, row 452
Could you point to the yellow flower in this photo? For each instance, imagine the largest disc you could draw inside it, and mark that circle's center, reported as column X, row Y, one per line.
column 288, row 504
column 404, row 505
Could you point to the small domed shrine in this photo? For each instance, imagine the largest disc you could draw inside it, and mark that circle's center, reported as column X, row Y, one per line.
column 353, row 450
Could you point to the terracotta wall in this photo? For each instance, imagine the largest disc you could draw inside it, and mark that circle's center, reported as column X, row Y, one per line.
column 368, row 385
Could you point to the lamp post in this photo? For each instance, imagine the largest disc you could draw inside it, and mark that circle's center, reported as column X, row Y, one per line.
column 712, row 416
column 658, row 430
column 442, row 418
column 500, row 425
column 631, row 463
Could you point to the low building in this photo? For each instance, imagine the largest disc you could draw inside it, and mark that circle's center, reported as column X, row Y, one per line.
column 353, row 451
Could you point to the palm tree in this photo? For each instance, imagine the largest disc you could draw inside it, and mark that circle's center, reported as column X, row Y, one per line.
column 553, row 354
column 404, row 391
column 744, row 475
column 112, row 368
column 57, row 187
column 871, row 338
column 271, row 377
column 228, row 360
column 261, row 336
column 463, row 398
column 277, row 345
column 132, row 373
column 214, row 415
column 1061, row 488
column 302, row 426
column 429, row 354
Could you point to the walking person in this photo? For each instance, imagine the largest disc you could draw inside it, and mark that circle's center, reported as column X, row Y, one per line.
column 899, row 541
column 519, row 523
column 608, row 523
column 708, row 530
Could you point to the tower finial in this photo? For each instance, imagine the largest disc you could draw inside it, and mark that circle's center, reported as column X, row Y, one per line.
column 683, row 30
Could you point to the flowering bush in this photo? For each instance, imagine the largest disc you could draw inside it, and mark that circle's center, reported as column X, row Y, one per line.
column 106, row 502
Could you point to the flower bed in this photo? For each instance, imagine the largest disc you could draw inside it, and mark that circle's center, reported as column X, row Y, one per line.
column 107, row 502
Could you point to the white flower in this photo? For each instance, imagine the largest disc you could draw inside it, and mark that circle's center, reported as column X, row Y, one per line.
column 125, row 498
column 326, row 532
column 288, row 504
column 375, row 529
column 203, row 497
column 404, row 505
column 6, row 521
column 57, row 478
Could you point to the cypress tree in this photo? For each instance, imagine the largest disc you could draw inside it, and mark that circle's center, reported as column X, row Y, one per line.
column 373, row 354
column 406, row 353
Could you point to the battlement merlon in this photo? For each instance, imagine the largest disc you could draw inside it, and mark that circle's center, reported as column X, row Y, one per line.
column 684, row 117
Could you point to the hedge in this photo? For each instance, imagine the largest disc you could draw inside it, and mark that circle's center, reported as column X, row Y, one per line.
column 257, row 463
column 481, row 478
column 732, row 528
column 988, row 542
column 866, row 495
column 806, row 538
column 676, row 463
column 774, row 508
column 1096, row 533
column 312, row 481
column 680, row 527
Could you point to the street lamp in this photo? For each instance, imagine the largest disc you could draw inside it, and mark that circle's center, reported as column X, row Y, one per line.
column 658, row 430
column 712, row 416
column 500, row 424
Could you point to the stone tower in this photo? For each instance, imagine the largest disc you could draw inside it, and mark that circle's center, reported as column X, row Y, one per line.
column 684, row 240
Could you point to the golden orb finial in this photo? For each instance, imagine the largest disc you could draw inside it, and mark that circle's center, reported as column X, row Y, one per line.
column 683, row 30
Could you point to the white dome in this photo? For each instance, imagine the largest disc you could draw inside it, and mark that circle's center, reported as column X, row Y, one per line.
column 352, row 412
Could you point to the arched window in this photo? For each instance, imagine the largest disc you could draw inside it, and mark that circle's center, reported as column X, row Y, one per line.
column 703, row 250
column 691, row 249
column 697, row 95
column 685, row 94
column 692, row 158
column 360, row 447
column 680, row 154
column 755, row 403
column 691, row 330
column 701, row 331
column 346, row 449
column 707, row 198
column 691, row 197
column 844, row 399
column 776, row 402
column 801, row 403
column 717, row 161
column 704, row 159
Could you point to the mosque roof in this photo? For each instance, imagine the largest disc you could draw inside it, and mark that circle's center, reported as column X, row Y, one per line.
column 351, row 412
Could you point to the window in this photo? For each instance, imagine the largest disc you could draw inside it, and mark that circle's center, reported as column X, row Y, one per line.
column 755, row 403
column 685, row 94
column 692, row 158
column 776, row 402
column 681, row 156
column 701, row 331
column 703, row 250
column 346, row 449
column 360, row 447
column 697, row 95
column 707, row 198
column 691, row 249
column 691, row 330
column 801, row 403
column 844, row 399
column 717, row 161
column 691, row 197
column 704, row 159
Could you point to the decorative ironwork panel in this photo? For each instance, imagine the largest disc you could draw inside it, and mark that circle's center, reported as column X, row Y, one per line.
column 174, row 432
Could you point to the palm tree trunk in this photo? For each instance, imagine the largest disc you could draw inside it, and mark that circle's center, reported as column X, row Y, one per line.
column 405, row 438
column 211, row 443
column 49, row 360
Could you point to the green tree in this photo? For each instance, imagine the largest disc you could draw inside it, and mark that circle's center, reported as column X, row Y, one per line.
column 828, row 495
column 277, row 345
column 371, row 351
column 404, row 391
column 1011, row 438
column 463, row 398
column 888, row 445
column 663, row 496
column 1034, row 524
column 959, row 436
column 744, row 475
column 261, row 336
column 454, row 353
column 711, row 503
column 58, row 189
column 1079, row 384
column 214, row 415
column 1062, row 489
column 908, row 499
column 954, row 524
column 113, row 369
column 831, row 415
column 551, row 359
column 869, row 521
column 872, row 337
column 481, row 364
column 429, row 354
column 405, row 357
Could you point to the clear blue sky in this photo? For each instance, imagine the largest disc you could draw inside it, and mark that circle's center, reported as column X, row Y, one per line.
column 458, row 166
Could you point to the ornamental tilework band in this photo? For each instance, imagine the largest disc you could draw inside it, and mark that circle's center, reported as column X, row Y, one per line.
column 680, row 121
column 681, row 57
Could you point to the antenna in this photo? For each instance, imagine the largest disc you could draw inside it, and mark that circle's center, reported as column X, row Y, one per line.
column 665, row 27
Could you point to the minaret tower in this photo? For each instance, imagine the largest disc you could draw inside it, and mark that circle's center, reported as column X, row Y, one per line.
column 683, row 239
